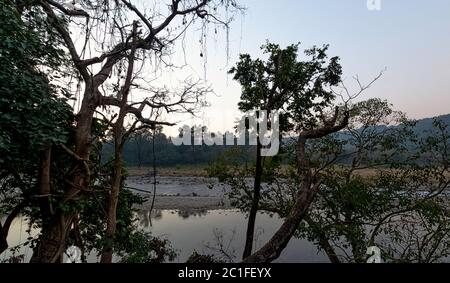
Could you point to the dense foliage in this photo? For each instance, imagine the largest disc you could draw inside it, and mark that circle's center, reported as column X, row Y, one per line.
column 384, row 182
column 36, row 119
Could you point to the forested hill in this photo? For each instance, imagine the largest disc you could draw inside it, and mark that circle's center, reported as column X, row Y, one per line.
column 424, row 126
column 139, row 149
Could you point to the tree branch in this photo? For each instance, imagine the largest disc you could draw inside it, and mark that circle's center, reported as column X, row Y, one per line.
column 53, row 19
column 74, row 12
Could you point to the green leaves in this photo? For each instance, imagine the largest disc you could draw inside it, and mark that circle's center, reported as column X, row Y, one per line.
column 284, row 82
column 144, row 248
column 32, row 114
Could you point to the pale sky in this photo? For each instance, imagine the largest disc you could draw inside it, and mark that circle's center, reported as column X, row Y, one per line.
column 410, row 38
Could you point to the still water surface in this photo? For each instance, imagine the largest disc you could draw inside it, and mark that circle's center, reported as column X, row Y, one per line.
column 197, row 231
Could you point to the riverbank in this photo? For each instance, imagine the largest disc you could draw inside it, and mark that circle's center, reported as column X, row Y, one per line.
column 181, row 193
column 176, row 171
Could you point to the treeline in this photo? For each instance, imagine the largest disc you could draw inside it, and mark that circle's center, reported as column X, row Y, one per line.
column 139, row 150
column 142, row 149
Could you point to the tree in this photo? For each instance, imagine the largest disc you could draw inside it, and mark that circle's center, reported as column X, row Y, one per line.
column 263, row 89
column 306, row 191
column 306, row 98
column 190, row 99
column 302, row 91
column 383, row 194
column 155, row 35
column 34, row 114
column 140, row 140
column 378, row 189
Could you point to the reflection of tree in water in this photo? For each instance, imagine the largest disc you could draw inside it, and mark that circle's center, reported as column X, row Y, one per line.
column 157, row 214
column 145, row 219
column 222, row 246
column 185, row 214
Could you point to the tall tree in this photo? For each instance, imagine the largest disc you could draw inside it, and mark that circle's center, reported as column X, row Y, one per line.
column 34, row 116
column 189, row 100
column 113, row 44
column 304, row 92
column 291, row 86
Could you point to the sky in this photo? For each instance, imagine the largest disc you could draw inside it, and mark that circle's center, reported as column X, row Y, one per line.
column 410, row 39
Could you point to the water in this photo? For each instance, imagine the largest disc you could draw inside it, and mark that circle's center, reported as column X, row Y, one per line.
column 190, row 231
column 19, row 233
column 198, row 231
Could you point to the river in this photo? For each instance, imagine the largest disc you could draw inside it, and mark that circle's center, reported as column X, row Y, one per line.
column 190, row 231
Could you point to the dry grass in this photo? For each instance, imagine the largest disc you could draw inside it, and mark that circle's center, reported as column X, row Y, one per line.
column 178, row 171
column 200, row 171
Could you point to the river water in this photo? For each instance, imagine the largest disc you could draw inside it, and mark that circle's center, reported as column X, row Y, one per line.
column 200, row 231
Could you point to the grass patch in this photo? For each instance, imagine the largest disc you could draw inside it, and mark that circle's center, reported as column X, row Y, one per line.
column 174, row 171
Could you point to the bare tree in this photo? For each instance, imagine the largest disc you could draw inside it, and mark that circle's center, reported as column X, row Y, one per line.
column 189, row 100
column 108, row 27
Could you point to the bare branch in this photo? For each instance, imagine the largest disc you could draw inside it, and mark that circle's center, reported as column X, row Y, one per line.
column 67, row 39
column 74, row 12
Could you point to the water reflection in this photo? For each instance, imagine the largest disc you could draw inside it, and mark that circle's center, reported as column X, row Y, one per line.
column 146, row 217
column 192, row 231
column 204, row 231
column 19, row 234
column 185, row 214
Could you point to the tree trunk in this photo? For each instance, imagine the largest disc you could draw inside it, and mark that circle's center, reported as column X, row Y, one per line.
column 305, row 195
column 331, row 253
column 116, row 185
column 4, row 229
column 279, row 241
column 119, row 140
column 52, row 242
column 53, row 237
column 255, row 204
column 44, row 185
column 78, row 239
column 358, row 251
column 3, row 242
column 308, row 189
column 44, row 195
column 323, row 241
column 113, row 199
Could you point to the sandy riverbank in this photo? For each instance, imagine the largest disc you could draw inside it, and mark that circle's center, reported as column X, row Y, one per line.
column 183, row 193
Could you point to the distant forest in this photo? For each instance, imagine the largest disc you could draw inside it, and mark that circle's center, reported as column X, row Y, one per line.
column 138, row 151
